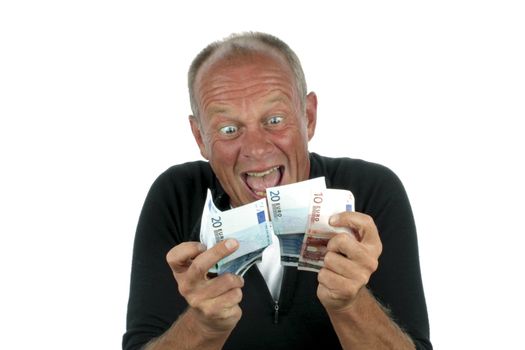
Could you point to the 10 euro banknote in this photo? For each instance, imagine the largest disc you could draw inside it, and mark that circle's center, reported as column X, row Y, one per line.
column 322, row 205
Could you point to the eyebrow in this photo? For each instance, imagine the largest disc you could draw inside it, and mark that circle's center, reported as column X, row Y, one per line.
column 276, row 100
column 277, row 97
column 217, row 110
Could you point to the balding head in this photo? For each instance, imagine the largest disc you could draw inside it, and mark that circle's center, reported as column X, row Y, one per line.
column 245, row 45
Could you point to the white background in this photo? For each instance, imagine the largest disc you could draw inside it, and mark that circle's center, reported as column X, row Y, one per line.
column 93, row 107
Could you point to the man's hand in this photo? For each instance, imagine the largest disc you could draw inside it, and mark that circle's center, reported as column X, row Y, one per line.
column 349, row 262
column 213, row 302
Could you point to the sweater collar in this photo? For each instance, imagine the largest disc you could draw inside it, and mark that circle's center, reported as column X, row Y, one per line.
column 317, row 168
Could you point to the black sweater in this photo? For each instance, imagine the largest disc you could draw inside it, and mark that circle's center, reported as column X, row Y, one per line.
column 171, row 215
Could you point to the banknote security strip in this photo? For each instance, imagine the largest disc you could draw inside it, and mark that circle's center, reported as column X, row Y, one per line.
column 297, row 213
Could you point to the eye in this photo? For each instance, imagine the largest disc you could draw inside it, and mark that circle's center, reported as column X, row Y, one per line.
column 275, row 120
column 228, row 130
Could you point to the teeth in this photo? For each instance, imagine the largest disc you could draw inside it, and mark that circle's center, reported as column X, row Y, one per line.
column 264, row 173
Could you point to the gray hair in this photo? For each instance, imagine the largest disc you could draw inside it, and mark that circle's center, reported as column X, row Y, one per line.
column 242, row 44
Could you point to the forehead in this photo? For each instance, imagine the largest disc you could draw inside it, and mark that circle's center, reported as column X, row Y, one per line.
column 243, row 72
column 232, row 55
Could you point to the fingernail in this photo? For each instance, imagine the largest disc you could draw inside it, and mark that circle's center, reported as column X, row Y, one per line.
column 202, row 247
column 334, row 219
column 231, row 244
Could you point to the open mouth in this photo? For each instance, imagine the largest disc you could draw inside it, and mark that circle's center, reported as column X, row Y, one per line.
column 258, row 182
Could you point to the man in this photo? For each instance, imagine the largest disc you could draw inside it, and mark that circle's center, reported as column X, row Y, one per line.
column 252, row 120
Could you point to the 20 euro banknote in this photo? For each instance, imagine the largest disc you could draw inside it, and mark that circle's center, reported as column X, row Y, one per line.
column 248, row 224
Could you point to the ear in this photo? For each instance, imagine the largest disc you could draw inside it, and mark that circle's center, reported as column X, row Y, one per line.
column 311, row 113
column 196, row 130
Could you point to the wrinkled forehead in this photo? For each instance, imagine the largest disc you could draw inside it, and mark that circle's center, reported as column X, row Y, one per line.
column 225, row 58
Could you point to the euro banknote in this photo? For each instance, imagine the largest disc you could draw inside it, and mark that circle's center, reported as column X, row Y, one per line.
column 248, row 224
column 322, row 205
column 289, row 205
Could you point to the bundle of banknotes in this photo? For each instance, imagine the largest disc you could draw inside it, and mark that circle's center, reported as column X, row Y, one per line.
column 248, row 224
column 299, row 215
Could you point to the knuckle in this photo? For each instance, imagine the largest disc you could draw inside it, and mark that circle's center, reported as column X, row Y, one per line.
column 333, row 295
column 367, row 268
column 328, row 259
column 238, row 313
column 371, row 264
column 351, row 290
column 332, row 243
column 171, row 255
column 193, row 301
column 172, row 262
column 237, row 295
column 374, row 265
column 208, row 312
column 337, row 241
column 379, row 248
column 368, row 220
column 184, row 288
column 342, row 238
column 364, row 278
column 219, row 251
column 231, row 313
column 322, row 280
column 345, row 294
column 197, row 269
column 235, row 281
column 229, row 279
column 345, row 237
column 321, row 275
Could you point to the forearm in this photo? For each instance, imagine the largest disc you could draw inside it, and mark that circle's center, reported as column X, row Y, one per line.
column 365, row 325
column 187, row 333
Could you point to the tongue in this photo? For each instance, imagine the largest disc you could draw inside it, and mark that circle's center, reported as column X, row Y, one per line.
column 261, row 183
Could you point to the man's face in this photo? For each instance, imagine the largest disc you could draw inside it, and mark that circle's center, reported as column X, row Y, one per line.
column 251, row 126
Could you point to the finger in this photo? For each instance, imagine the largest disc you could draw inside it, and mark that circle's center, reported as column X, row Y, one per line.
column 349, row 269
column 361, row 224
column 357, row 222
column 222, row 306
column 364, row 255
column 340, row 265
column 180, row 256
column 222, row 314
column 227, row 300
column 203, row 262
column 338, row 287
column 345, row 244
column 220, row 285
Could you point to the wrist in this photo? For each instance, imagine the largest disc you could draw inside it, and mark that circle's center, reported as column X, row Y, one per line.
column 196, row 323
column 189, row 332
column 354, row 307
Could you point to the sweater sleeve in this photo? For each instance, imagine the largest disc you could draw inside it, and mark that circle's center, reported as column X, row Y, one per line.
column 397, row 283
column 154, row 302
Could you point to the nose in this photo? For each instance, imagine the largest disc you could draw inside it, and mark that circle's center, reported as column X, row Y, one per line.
column 256, row 143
